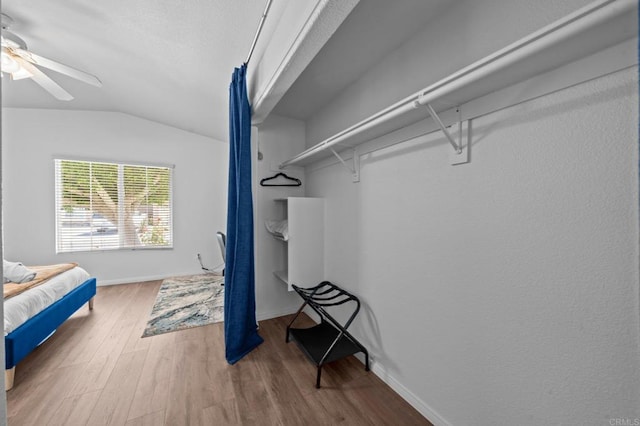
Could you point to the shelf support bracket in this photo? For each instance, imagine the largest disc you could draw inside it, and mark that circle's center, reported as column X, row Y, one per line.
column 436, row 118
column 355, row 170
column 460, row 153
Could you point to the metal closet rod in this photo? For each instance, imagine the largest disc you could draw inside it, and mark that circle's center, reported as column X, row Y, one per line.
column 258, row 31
column 589, row 16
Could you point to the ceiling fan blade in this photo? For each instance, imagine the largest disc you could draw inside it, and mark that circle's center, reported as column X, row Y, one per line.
column 44, row 81
column 58, row 67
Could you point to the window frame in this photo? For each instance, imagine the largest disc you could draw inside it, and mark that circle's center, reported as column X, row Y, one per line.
column 57, row 160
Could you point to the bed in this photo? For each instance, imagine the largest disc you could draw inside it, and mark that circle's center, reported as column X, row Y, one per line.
column 32, row 316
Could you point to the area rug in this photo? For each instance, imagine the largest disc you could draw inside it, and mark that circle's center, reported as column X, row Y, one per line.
column 186, row 302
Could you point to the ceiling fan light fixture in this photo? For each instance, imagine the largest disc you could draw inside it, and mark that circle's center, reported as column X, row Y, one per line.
column 20, row 74
column 12, row 40
column 22, row 63
column 8, row 64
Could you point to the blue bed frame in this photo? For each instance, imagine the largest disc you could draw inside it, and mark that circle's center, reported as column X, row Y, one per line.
column 21, row 341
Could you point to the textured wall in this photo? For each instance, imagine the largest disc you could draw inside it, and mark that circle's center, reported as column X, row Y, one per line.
column 504, row 291
column 301, row 29
column 31, row 139
column 462, row 34
column 3, row 401
column 278, row 138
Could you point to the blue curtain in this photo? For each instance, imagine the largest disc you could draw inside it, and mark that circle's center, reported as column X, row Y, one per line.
column 240, row 331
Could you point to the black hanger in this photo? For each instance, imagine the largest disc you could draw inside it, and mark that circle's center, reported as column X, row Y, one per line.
column 296, row 182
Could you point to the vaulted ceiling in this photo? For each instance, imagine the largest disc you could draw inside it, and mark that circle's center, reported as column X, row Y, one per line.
column 171, row 62
column 165, row 61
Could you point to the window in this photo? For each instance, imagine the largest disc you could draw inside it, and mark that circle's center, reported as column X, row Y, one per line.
column 111, row 206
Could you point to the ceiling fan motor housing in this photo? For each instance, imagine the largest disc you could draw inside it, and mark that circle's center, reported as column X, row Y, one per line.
column 11, row 39
column 21, row 63
column 5, row 20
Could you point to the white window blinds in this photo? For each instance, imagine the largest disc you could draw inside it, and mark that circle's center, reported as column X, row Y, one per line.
column 110, row 206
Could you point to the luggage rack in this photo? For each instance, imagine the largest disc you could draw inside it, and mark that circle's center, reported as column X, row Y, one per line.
column 328, row 341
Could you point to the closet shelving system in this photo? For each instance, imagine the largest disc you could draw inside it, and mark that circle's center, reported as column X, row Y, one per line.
column 591, row 29
column 304, row 248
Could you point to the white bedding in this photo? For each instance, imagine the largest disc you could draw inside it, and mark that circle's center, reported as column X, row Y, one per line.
column 18, row 309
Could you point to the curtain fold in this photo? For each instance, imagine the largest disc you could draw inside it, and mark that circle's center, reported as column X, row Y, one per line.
column 240, row 332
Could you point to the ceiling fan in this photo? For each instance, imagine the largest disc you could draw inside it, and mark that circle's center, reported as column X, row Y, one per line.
column 21, row 63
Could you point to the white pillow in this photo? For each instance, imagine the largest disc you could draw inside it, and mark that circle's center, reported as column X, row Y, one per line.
column 16, row 272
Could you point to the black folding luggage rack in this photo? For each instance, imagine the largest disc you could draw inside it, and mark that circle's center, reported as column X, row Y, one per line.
column 328, row 341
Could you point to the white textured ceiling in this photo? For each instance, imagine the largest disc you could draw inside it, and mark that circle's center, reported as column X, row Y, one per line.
column 166, row 61
column 171, row 61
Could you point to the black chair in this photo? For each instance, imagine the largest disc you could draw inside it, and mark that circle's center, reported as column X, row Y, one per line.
column 222, row 242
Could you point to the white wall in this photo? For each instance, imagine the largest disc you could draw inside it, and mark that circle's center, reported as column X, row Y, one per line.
column 296, row 30
column 32, row 138
column 3, row 401
column 285, row 21
column 278, row 139
column 504, row 291
column 467, row 31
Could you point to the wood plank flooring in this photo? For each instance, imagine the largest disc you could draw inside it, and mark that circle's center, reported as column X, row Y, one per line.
column 97, row 370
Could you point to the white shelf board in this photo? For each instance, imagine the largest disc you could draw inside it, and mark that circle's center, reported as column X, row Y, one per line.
column 282, row 276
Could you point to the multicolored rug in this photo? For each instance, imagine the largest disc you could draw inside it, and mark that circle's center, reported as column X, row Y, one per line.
column 185, row 302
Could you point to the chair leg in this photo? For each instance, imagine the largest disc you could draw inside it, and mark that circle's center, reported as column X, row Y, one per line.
column 91, row 304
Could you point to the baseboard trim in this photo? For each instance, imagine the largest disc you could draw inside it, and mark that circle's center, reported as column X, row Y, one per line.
column 130, row 280
column 422, row 407
column 379, row 370
column 263, row 316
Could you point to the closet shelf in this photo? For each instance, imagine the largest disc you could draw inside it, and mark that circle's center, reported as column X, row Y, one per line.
column 601, row 24
column 303, row 251
column 282, row 276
